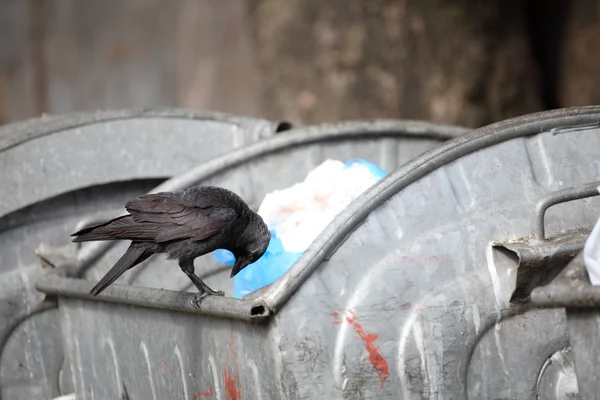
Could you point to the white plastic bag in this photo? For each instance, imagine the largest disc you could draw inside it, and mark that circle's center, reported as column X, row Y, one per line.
column 591, row 253
column 299, row 213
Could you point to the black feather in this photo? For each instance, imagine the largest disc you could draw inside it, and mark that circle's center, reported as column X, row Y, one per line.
column 133, row 256
column 184, row 225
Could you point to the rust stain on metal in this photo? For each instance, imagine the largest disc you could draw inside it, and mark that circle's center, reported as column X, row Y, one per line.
column 199, row 395
column 375, row 357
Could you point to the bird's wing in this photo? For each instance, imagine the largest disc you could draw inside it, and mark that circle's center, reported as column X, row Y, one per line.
column 176, row 220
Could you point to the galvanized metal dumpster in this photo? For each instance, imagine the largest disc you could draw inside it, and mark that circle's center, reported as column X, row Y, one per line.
column 103, row 191
column 418, row 290
column 49, row 168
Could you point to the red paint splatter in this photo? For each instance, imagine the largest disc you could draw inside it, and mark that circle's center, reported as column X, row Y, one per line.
column 167, row 365
column 375, row 357
column 336, row 314
column 203, row 394
column 231, row 389
column 406, row 306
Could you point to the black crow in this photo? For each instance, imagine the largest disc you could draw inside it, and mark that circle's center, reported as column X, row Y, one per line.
column 185, row 224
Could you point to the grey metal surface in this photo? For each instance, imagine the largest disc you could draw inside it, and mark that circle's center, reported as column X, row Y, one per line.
column 404, row 295
column 122, row 141
column 584, row 331
column 540, row 261
column 56, row 170
column 572, row 289
column 557, row 378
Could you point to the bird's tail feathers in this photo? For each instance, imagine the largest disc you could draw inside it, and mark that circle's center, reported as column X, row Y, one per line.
column 133, row 256
column 102, row 231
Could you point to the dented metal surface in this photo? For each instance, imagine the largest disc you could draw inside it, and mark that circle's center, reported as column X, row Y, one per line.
column 415, row 304
column 540, row 261
column 557, row 378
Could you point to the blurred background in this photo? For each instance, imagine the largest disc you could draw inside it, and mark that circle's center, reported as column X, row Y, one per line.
column 463, row 62
column 308, row 61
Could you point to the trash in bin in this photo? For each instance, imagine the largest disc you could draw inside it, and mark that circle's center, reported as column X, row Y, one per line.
column 296, row 215
column 591, row 254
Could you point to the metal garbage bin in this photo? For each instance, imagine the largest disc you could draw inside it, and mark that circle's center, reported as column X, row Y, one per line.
column 251, row 171
column 54, row 170
column 418, row 290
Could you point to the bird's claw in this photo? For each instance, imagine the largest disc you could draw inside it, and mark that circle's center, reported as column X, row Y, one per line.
column 198, row 297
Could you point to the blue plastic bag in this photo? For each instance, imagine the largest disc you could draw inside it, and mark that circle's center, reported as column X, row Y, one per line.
column 264, row 271
column 276, row 261
column 373, row 169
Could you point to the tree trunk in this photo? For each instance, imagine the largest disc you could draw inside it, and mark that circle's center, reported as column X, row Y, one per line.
column 579, row 76
column 463, row 63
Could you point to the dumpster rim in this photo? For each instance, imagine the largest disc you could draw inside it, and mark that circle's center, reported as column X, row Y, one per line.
column 16, row 133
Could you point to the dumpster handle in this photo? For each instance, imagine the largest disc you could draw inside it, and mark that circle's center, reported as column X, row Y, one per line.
column 570, row 289
column 558, row 197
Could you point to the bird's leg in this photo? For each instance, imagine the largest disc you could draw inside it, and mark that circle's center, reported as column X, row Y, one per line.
column 204, row 290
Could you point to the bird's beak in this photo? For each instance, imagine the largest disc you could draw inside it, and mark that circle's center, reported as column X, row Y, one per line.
column 240, row 264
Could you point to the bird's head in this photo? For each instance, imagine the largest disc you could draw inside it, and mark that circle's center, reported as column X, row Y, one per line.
column 255, row 247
